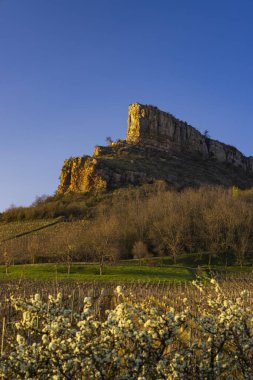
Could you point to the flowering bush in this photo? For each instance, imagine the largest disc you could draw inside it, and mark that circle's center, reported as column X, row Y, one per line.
column 136, row 340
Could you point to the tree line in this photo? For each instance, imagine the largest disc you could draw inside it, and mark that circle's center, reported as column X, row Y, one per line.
column 144, row 222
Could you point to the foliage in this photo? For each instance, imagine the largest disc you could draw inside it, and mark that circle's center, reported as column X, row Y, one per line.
column 167, row 222
column 70, row 206
column 140, row 250
column 139, row 340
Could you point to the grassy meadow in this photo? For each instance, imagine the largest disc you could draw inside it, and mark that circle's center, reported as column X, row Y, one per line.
column 90, row 272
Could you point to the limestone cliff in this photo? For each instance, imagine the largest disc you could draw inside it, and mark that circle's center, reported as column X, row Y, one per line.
column 150, row 127
column 81, row 174
column 158, row 146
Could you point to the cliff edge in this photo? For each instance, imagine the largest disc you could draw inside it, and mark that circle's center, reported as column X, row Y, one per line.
column 158, row 146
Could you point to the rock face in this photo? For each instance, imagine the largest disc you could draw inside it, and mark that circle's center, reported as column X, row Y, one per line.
column 81, row 174
column 150, row 127
column 158, row 146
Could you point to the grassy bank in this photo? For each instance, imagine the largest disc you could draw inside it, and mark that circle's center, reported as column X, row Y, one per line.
column 86, row 272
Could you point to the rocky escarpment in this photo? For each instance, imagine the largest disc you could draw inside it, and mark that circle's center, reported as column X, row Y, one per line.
column 81, row 174
column 158, row 146
column 150, row 127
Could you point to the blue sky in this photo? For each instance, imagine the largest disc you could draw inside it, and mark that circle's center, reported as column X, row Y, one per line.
column 70, row 68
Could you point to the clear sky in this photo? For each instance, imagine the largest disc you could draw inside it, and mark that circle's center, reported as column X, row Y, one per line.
column 70, row 68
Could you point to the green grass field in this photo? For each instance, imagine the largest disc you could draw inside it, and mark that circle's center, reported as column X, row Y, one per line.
column 88, row 272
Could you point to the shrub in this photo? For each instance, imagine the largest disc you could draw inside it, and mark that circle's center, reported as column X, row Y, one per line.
column 137, row 340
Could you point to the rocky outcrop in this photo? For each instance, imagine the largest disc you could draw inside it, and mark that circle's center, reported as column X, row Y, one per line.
column 158, row 146
column 81, row 174
column 150, row 127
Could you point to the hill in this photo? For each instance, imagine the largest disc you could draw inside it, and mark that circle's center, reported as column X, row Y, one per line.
column 158, row 147
column 213, row 223
column 87, row 221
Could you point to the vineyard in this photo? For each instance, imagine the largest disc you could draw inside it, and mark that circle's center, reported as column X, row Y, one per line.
column 144, row 286
column 147, row 222
column 70, row 330
column 35, row 240
column 11, row 230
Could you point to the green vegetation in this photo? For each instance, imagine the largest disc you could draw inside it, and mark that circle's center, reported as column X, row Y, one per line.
column 159, row 269
column 70, row 206
column 90, row 272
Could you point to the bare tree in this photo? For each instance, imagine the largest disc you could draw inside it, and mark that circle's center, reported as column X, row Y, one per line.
column 170, row 228
column 243, row 228
column 102, row 240
column 33, row 247
column 140, row 250
column 67, row 242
